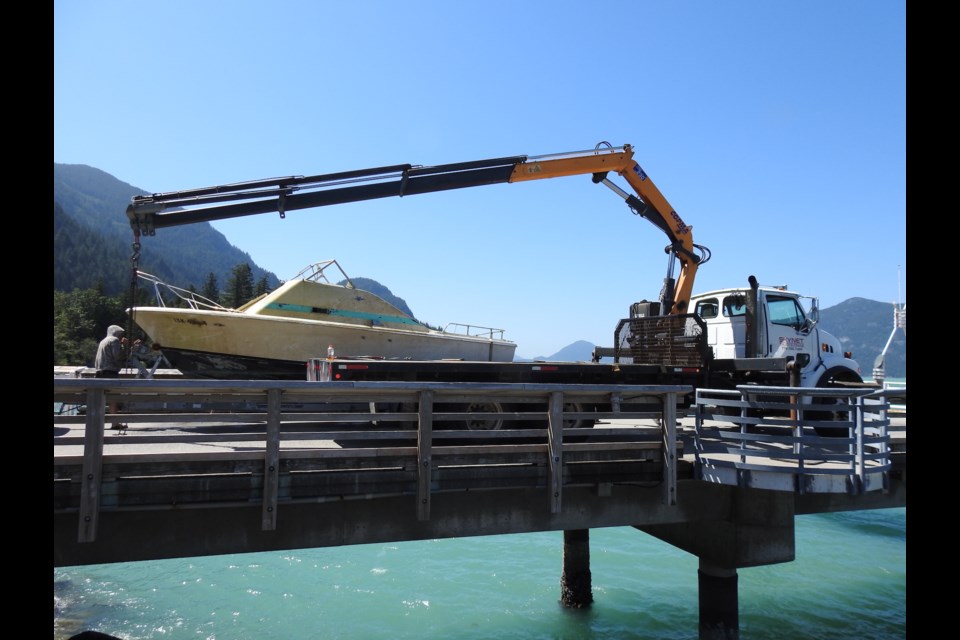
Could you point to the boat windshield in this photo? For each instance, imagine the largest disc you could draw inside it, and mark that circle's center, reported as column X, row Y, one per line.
column 326, row 272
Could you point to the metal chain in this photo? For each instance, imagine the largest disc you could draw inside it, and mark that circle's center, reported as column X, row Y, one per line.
column 135, row 265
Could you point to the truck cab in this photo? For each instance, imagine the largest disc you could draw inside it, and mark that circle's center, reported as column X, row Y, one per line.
column 772, row 322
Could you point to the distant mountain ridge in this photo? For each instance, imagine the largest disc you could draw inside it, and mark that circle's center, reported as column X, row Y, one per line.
column 863, row 328
column 579, row 351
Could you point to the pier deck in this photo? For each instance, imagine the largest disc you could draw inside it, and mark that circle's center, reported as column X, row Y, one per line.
column 216, row 467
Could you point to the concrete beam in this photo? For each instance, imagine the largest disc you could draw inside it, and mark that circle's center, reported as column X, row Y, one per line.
column 740, row 527
column 135, row 535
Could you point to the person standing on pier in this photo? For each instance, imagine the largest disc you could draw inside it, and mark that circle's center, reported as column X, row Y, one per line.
column 110, row 360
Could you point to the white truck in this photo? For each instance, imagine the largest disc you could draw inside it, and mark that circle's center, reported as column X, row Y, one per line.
column 777, row 326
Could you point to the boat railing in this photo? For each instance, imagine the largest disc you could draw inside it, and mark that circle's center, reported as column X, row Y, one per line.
column 163, row 292
column 474, row 331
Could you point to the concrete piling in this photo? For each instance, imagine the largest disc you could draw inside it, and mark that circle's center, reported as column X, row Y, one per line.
column 719, row 604
column 576, row 589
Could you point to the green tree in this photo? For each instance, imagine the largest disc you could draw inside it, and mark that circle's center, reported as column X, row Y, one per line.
column 239, row 288
column 80, row 321
column 211, row 289
column 263, row 286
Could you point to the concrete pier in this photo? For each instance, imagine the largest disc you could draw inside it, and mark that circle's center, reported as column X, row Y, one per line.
column 719, row 603
column 576, row 589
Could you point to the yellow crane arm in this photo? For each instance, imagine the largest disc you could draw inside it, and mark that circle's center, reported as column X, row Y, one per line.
column 149, row 212
column 650, row 204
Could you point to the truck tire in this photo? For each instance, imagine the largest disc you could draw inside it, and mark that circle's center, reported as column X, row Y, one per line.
column 582, row 423
column 832, row 378
column 484, row 424
column 471, row 424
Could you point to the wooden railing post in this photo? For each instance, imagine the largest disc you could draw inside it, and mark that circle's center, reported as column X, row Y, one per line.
column 555, row 450
column 669, row 414
column 271, row 462
column 424, row 464
column 92, row 466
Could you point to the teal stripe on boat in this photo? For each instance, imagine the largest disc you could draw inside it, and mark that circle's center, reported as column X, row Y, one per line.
column 359, row 315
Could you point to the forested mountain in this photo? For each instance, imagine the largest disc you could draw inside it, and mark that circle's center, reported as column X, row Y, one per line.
column 93, row 242
column 82, row 257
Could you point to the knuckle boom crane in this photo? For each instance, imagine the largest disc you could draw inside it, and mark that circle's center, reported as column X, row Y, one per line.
column 150, row 212
column 719, row 339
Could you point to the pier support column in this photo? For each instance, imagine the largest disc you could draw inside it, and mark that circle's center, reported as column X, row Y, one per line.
column 576, row 591
column 719, row 604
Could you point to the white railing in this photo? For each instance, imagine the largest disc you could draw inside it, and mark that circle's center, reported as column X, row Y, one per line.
column 801, row 439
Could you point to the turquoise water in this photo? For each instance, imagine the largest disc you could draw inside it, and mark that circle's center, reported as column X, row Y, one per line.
column 848, row 582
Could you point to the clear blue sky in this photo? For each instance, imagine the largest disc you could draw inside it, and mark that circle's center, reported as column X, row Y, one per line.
column 776, row 129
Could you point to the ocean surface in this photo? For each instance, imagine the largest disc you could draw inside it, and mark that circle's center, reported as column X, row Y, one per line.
column 848, row 582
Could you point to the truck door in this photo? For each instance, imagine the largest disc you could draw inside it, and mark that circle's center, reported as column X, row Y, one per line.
column 726, row 324
column 787, row 328
column 709, row 310
column 735, row 319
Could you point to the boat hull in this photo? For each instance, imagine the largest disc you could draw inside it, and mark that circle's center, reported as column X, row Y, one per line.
column 230, row 345
column 220, row 366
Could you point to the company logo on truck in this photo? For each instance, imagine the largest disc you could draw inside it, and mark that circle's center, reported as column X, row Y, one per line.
column 791, row 343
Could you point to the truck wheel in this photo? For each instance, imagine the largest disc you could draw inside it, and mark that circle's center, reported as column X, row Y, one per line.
column 482, row 424
column 576, row 407
column 833, row 378
column 583, row 423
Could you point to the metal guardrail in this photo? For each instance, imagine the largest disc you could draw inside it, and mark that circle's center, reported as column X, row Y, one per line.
column 476, row 331
column 800, row 439
column 282, row 441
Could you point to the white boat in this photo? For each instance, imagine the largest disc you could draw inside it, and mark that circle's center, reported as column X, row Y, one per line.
column 276, row 335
